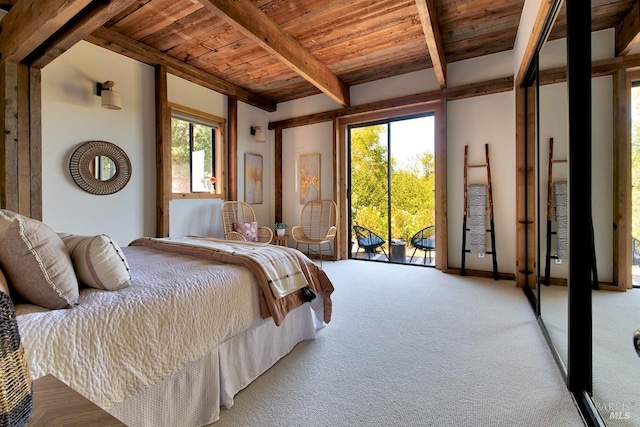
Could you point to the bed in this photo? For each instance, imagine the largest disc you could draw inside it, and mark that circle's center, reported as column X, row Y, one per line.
column 200, row 319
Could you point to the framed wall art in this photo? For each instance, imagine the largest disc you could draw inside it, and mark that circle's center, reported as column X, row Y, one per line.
column 253, row 178
column 309, row 177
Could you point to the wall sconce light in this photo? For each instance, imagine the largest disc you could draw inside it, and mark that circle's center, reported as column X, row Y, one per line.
column 110, row 98
column 259, row 135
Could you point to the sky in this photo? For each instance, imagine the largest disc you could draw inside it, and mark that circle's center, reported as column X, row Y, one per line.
column 411, row 137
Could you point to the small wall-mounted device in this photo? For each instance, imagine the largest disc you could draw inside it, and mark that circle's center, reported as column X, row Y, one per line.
column 558, row 261
column 481, row 255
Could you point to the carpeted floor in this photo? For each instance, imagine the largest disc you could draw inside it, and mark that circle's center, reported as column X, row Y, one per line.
column 616, row 367
column 411, row 346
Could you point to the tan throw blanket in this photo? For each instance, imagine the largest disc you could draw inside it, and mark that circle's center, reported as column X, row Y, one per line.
column 281, row 267
column 280, row 271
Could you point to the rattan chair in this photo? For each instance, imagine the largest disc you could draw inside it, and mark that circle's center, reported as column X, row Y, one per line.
column 317, row 227
column 241, row 212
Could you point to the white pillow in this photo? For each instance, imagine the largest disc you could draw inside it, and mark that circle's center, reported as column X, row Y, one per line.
column 98, row 261
column 36, row 262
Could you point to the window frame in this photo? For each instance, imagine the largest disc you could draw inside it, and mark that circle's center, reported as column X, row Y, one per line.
column 219, row 151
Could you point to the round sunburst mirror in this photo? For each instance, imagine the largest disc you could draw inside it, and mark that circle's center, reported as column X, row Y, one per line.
column 100, row 167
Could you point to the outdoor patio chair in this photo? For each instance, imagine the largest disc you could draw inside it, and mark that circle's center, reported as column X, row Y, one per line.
column 425, row 240
column 368, row 241
column 636, row 251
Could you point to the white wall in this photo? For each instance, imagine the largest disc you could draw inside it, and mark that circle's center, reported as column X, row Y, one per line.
column 475, row 122
column 72, row 115
column 304, row 140
column 527, row 21
column 602, row 173
column 202, row 217
column 195, row 217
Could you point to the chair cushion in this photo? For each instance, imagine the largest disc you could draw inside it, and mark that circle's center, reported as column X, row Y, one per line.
column 427, row 243
column 371, row 241
column 36, row 262
column 248, row 229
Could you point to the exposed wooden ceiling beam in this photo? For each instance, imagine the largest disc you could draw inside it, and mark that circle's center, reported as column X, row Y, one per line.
column 429, row 19
column 30, row 23
column 628, row 31
column 116, row 42
column 253, row 23
column 87, row 21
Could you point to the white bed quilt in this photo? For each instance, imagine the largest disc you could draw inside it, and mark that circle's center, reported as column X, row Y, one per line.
column 116, row 343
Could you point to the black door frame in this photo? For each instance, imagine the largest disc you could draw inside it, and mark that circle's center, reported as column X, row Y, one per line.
column 386, row 121
column 579, row 367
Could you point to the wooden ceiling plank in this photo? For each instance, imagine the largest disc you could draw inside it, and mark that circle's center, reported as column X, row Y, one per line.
column 400, row 38
column 116, row 42
column 348, row 24
column 90, row 19
column 498, row 26
column 428, row 17
column 628, row 31
column 183, row 30
column 30, row 23
column 213, row 40
column 256, row 25
column 479, row 13
column 154, row 16
column 468, row 50
column 128, row 11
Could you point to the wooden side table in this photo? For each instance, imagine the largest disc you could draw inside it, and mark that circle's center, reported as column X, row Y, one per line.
column 57, row 404
column 281, row 240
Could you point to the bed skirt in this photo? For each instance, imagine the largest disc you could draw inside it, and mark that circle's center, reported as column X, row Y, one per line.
column 192, row 397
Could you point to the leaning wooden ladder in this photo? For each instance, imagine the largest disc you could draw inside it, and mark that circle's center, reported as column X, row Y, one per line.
column 561, row 243
column 483, row 226
column 550, row 209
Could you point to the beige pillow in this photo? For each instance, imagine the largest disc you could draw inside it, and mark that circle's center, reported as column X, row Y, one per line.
column 36, row 262
column 98, row 261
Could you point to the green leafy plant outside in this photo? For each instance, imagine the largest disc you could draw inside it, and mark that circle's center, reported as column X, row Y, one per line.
column 412, row 187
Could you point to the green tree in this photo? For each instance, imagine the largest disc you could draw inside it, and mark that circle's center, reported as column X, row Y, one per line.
column 181, row 151
column 412, row 196
column 369, row 178
column 412, row 187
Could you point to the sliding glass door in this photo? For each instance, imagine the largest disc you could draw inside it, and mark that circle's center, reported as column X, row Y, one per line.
column 392, row 190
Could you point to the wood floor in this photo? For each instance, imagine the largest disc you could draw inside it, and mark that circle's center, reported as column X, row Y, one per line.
column 379, row 256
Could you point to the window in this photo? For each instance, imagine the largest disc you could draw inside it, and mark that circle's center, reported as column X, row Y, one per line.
column 196, row 152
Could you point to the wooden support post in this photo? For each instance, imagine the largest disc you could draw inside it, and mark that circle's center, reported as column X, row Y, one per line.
column 163, row 153
column 21, row 142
